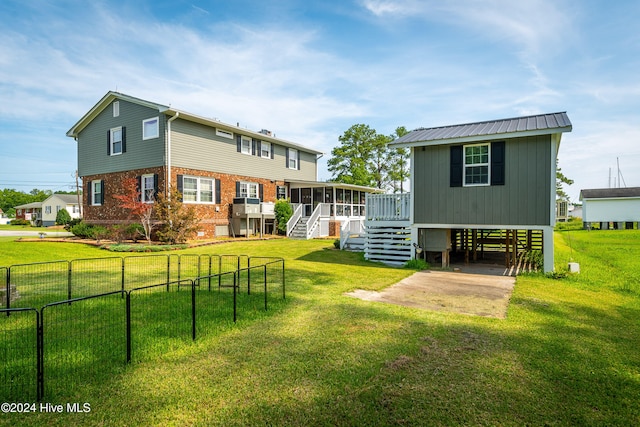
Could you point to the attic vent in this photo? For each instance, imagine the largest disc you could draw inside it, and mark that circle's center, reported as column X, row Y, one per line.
column 224, row 133
column 265, row 132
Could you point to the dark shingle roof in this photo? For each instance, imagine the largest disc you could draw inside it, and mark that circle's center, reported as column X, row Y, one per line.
column 541, row 124
column 609, row 193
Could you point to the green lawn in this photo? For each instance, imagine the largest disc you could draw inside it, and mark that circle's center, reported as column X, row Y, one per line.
column 567, row 354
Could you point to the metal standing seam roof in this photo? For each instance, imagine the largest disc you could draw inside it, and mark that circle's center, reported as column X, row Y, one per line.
column 538, row 124
column 609, row 193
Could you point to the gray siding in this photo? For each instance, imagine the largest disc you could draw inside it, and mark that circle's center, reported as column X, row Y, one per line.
column 92, row 141
column 523, row 200
column 197, row 146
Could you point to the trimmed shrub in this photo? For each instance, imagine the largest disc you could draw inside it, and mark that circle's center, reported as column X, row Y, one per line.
column 63, row 217
column 18, row 221
column 283, row 212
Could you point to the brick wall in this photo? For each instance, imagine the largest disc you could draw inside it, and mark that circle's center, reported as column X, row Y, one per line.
column 212, row 215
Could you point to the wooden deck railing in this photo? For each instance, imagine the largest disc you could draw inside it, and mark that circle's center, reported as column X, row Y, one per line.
column 388, row 207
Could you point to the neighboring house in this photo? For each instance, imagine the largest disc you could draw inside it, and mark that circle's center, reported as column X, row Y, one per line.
column 55, row 203
column 487, row 183
column 30, row 212
column 620, row 206
column 232, row 175
column 4, row 219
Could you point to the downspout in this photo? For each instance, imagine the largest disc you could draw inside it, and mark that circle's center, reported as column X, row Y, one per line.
column 168, row 178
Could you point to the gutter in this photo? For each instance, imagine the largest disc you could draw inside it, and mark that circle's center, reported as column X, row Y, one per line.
column 168, row 178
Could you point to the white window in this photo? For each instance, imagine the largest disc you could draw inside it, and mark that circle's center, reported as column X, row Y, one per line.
column 224, row 133
column 197, row 190
column 249, row 189
column 293, row 159
column 116, row 108
column 76, row 209
column 96, row 193
column 58, row 207
column 148, row 188
column 476, row 164
column 150, row 128
column 265, row 150
column 245, row 145
column 115, row 138
column 47, row 209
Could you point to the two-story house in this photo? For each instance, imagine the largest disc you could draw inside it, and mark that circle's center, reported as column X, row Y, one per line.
column 485, row 186
column 224, row 170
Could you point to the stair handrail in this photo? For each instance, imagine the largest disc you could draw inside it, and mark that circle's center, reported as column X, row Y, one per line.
column 345, row 232
column 291, row 224
column 313, row 220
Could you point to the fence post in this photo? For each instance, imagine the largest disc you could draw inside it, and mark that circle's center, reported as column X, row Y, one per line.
column 209, row 274
column 265, row 287
column 122, row 272
column 39, row 356
column 69, row 276
column 235, row 305
column 8, row 293
column 219, row 272
column 128, row 325
column 193, row 310
column 169, row 270
column 248, row 276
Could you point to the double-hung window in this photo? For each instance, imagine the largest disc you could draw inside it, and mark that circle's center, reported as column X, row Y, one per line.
column 245, row 145
column 249, row 189
column 476, row 164
column 147, row 190
column 197, row 190
column 96, row 193
column 47, row 209
column 150, row 128
column 115, row 141
column 265, row 150
column 293, row 159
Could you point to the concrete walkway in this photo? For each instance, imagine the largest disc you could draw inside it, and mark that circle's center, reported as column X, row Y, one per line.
column 480, row 290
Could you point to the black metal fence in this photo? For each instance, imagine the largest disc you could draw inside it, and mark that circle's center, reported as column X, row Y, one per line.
column 110, row 311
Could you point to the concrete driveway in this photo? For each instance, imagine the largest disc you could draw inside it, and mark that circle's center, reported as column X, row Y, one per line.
column 480, row 290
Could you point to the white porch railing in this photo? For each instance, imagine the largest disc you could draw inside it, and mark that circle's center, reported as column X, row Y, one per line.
column 291, row 224
column 350, row 227
column 312, row 222
column 388, row 207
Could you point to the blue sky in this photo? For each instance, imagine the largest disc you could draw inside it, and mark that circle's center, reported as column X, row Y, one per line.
column 308, row 70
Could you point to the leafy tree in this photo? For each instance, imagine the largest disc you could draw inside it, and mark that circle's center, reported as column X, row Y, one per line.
column 130, row 199
column 560, row 180
column 398, row 163
column 364, row 158
column 349, row 162
column 283, row 213
column 63, row 217
column 178, row 222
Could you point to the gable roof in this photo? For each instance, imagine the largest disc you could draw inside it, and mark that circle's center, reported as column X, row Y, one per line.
column 609, row 193
column 172, row 112
column 69, row 199
column 541, row 124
